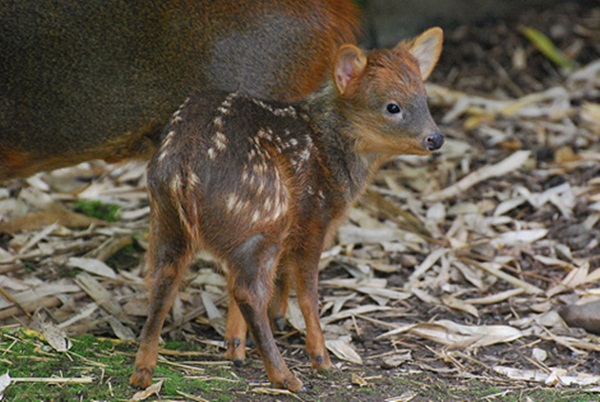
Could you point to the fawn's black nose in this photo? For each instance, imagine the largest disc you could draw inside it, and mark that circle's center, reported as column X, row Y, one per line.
column 433, row 142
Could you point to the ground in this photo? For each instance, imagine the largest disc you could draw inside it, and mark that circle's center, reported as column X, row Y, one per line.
column 445, row 283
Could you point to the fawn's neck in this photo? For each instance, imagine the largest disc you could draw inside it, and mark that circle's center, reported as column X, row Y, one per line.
column 350, row 169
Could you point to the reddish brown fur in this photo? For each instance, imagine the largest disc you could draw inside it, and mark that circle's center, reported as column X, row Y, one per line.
column 98, row 80
column 262, row 186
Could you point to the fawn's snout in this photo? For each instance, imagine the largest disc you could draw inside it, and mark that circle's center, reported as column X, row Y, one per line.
column 433, row 142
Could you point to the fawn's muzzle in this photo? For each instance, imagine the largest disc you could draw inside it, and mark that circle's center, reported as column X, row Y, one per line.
column 433, row 142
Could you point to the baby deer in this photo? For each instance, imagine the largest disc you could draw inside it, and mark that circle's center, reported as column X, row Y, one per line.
column 261, row 185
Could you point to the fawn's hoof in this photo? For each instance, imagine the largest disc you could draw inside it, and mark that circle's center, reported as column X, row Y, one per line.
column 279, row 322
column 236, row 351
column 291, row 383
column 141, row 377
column 321, row 363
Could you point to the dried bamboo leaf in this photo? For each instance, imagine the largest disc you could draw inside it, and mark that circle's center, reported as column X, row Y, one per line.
column 294, row 315
column 342, row 349
column 431, row 259
column 396, row 360
column 358, row 380
column 510, row 164
column 555, row 377
column 492, row 268
column 458, row 336
column 120, row 330
column 425, row 297
column 519, row 237
column 153, row 389
column 84, row 313
column 385, row 293
column 38, row 237
column 40, row 292
column 539, row 355
column 353, row 312
column 97, row 292
column 496, row 298
column 458, row 304
column 575, row 278
column 5, row 381
column 59, row 216
column 93, row 266
column 55, row 337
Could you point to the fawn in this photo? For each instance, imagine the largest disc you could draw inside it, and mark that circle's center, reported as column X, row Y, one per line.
column 262, row 185
column 88, row 80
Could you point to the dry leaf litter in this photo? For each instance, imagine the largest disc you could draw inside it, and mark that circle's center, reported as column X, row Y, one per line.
column 461, row 264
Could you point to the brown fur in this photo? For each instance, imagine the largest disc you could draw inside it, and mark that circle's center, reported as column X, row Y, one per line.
column 98, row 80
column 262, row 186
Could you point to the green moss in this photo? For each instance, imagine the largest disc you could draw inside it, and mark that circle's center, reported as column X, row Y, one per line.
column 126, row 257
column 98, row 209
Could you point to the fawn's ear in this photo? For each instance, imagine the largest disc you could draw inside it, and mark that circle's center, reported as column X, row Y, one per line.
column 427, row 48
column 350, row 62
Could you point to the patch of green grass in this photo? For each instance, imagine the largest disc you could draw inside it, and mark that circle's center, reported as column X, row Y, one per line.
column 98, row 209
column 108, row 363
column 24, row 354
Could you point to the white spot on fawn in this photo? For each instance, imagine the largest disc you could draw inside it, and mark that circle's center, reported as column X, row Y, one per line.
column 288, row 111
column 268, row 205
column 260, row 188
column 309, row 141
column 220, row 141
column 218, row 122
column 265, row 134
column 175, row 185
column 226, row 104
column 260, row 168
column 211, row 153
column 176, row 118
column 193, row 179
column 232, row 200
column 305, row 155
column 165, row 145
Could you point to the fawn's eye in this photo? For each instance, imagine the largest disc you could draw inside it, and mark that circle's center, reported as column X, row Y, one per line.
column 393, row 108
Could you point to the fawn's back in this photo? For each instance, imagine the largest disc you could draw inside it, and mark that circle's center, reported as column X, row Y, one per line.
column 246, row 164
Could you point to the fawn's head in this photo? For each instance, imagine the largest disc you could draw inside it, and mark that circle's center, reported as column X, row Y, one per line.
column 383, row 96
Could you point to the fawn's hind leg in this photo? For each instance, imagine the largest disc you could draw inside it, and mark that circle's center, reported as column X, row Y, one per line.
column 252, row 267
column 279, row 301
column 168, row 259
column 236, row 328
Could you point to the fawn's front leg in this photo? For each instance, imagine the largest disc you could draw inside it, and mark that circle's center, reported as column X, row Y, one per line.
column 305, row 265
column 252, row 267
column 168, row 259
column 235, row 331
column 279, row 300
